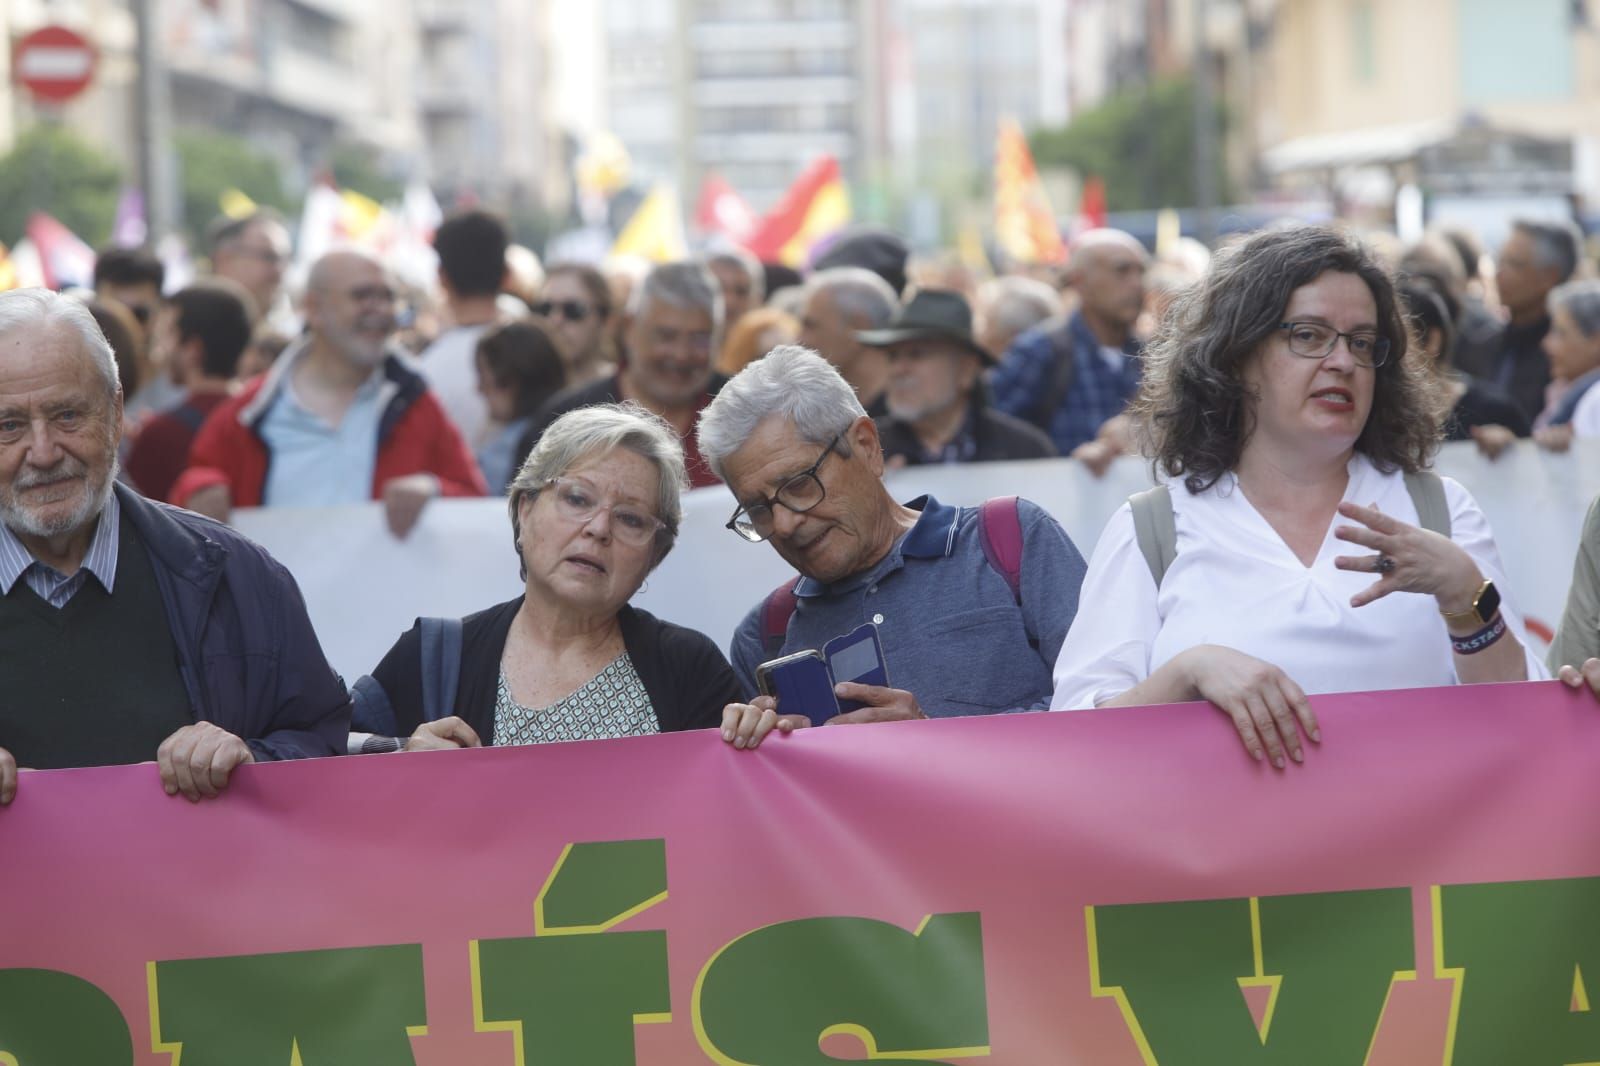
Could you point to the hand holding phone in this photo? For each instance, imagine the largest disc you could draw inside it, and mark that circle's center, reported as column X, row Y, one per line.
column 804, row 682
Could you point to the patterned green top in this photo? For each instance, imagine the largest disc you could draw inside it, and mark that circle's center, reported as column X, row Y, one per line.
column 612, row 704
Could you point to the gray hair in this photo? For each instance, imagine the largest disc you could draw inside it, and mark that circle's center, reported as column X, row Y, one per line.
column 595, row 430
column 747, row 263
column 684, row 285
column 27, row 307
column 859, row 295
column 789, row 382
column 1556, row 245
column 1017, row 303
column 1581, row 300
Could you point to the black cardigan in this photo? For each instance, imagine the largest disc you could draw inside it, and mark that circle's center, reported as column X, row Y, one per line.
column 687, row 676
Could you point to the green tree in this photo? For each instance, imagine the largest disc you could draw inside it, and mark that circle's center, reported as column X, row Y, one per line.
column 356, row 167
column 211, row 163
column 50, row 169
column 1140, row 142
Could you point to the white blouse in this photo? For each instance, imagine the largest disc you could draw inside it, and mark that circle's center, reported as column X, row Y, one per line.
column 1235, row 583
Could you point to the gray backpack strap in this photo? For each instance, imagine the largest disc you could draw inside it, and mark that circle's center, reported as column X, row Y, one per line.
column 1156, row 529
column 441, row 666
column 1427, row 493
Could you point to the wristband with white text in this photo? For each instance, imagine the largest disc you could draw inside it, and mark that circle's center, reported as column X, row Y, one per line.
column 1472, row 645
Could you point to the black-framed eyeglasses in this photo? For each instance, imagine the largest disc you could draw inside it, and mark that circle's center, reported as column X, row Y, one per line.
column 1313, row 340
column 798, row 494
column 571, row 310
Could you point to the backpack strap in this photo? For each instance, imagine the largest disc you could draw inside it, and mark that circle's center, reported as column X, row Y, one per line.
column 1427, row 493
column 1156, row 529
column 1000, row 532
column 441, row 666
column 1063, row 368
column 776, row 610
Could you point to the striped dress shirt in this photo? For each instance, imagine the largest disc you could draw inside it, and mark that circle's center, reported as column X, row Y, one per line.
column 54, row 587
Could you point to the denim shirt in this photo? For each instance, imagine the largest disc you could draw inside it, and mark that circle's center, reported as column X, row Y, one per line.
column 952, row 633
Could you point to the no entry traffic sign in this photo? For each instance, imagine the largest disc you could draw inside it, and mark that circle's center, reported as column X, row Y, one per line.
column 53, row 63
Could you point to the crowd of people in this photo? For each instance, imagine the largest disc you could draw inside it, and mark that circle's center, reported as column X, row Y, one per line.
column 1290, row 390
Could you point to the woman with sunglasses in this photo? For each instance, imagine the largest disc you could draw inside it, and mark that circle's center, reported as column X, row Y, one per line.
column 576, row 303
column 594, row 509
column 1293, row 426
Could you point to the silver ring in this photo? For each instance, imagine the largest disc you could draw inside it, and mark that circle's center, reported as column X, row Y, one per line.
column 1384, row 565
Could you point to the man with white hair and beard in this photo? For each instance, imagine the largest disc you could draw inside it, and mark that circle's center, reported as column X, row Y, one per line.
column 133, row 631
column 341, row 416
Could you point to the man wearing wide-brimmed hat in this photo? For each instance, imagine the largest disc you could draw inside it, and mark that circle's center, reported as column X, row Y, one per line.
column 938, row 410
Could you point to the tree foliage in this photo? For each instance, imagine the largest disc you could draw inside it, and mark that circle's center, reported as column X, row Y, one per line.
column 1140, row 142
column 212, row 163
column 50, row 169
column 356, row 167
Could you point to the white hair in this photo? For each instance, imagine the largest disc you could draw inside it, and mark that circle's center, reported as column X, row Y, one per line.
column 789, row 382
column 21, row 308
column 859, row 296
column 1581, row 300
column 596, row 430
column 1016, row 304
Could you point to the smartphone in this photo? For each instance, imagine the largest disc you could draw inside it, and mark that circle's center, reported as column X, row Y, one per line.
column 857, row 656
column 802, row 684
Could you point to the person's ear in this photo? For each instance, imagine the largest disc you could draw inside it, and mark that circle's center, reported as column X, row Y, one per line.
column 864, row 440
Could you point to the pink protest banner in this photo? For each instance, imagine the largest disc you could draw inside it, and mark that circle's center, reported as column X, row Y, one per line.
column 1107, row 888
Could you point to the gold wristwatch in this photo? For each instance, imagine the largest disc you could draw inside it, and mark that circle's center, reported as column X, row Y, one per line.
column 1484, row 607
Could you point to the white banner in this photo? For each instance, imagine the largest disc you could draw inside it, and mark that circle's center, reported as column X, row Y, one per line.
column 364, row 588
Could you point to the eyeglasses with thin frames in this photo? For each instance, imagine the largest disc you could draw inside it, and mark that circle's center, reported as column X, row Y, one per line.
column 798, row 494
column 1314, row 340
column 578, row 503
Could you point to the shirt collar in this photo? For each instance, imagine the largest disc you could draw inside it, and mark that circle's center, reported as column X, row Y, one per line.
column 933, row 536
column 100, row 560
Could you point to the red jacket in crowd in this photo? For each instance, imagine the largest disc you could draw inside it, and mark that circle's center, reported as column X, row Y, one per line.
column 415, row 436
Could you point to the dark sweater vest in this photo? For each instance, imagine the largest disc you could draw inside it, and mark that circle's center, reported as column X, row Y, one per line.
column 93, row 683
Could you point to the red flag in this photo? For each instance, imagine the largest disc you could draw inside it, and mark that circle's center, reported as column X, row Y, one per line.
column 722, row 210
column 1092, row 208
column 65, row 259
column 814, row 207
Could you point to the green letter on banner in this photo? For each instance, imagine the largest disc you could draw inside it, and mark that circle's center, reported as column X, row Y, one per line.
column 1524, row 956
column 346, row 1007
column 48, row 1017
column 1323, row 964
column 770, row 997
column 573, row 992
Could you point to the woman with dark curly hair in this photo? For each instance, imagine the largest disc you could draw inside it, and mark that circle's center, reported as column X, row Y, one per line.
column 1287, row 412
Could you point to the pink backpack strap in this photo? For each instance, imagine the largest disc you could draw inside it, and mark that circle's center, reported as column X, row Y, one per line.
column 1000, row 531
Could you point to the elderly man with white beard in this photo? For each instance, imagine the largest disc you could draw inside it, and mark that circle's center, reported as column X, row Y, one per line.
column 132, row 631
column 341, row 417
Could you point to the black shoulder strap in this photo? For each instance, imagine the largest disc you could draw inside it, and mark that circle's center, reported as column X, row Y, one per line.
column 1063, row 369
column 441, row 666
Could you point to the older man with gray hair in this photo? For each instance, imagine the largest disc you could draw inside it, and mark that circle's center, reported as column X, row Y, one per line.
column 840, row 302
column 133, row 631
column 971, row 604
column 671, row 328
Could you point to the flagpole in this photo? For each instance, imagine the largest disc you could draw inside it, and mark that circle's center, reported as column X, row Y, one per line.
column 154, row 125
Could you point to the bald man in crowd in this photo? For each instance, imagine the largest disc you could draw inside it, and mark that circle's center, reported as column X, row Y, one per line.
column 1073, row 378
column 339, row 418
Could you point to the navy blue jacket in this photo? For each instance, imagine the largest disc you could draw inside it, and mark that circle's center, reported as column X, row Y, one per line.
column 250, row 660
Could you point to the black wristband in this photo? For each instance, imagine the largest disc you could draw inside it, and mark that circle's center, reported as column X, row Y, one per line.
column 1473, row 644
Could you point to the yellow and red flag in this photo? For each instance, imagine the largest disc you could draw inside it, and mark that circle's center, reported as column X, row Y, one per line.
column 655, row 230
column 816, row 206
column 1025, row 227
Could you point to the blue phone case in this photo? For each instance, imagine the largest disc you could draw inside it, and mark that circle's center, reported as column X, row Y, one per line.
column 802, row 684
column 857, row 656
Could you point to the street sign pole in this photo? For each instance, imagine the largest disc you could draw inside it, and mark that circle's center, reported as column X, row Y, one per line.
column 155, row 164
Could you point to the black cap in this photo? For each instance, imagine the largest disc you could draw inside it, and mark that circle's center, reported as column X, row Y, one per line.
column 872, row 247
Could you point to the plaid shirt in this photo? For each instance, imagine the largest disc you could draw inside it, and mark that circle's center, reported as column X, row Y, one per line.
column 1099, row 392
column 52, row 586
